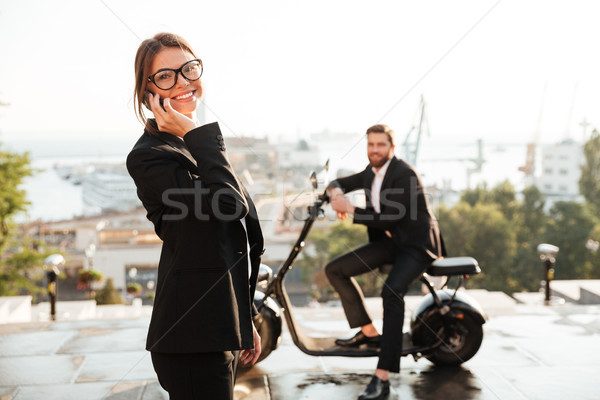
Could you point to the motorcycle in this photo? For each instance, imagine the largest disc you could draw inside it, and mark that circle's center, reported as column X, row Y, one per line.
column 446, row 326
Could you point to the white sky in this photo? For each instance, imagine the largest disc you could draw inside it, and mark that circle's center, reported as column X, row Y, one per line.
column 292, row 68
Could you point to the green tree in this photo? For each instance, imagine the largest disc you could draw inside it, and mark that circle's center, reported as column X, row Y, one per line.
column 529, row 224
column 21, row 268
column 504, row 195
column 347, row 237
column 316, row 254
column 13, row 169
column 531, row 214
column 483, row 232
column 592, row 263
column 526, row 222
column 505, row 240
column 20, row 260
column 589, row 183
column 570, row 225
column 480, row 194
column 327, row 243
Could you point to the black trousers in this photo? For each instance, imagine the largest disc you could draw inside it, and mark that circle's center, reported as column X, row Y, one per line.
column 407, row 266
column 198, row 375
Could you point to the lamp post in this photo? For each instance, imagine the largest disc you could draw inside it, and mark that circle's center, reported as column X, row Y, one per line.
column 132, row 288
column 547, row 254
column 51, row 264
column 90, row 252
column 133, row 274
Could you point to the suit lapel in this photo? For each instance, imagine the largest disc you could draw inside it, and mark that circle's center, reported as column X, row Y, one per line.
column 368, row 183
column 389, row 173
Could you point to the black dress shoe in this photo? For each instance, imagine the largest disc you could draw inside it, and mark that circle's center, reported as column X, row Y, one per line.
column 375, row 390
column 358, row 339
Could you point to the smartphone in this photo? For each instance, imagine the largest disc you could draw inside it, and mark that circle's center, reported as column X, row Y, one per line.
column 147, row 101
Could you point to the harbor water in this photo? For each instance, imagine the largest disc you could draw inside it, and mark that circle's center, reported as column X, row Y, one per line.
column 444, row 165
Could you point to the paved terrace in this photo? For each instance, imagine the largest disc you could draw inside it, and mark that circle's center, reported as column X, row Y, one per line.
column 529, row 352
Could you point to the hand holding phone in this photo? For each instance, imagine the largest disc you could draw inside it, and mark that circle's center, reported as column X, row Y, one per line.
column 169, row 120
column 147, row 100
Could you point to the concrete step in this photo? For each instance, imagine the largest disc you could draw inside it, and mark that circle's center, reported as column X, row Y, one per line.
column 579, row 291
column 15, row 309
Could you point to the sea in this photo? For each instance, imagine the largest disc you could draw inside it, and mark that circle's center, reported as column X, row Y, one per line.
column 444, row 165
column 51, row 197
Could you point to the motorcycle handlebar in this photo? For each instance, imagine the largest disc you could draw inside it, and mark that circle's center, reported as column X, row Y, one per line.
column 324, row 197
column 315, row 209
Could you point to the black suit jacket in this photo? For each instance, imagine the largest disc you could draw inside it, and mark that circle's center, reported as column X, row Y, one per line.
column 405, row 211
column 195, row 201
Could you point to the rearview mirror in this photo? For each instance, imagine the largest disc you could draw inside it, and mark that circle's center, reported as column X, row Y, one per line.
column 313, row 179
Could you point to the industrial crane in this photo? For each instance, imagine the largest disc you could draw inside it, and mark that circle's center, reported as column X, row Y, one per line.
column 411, row 143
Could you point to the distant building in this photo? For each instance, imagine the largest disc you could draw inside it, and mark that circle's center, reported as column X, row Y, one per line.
column 299, row 155
column 124, row 247
column 560, row 171
column 120, row 242
column 112, row 243
column 254, row 155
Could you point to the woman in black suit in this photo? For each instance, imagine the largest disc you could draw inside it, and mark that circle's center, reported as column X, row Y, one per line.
column 201, row 324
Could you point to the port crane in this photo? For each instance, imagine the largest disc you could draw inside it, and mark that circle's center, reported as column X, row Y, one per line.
column 412, row 141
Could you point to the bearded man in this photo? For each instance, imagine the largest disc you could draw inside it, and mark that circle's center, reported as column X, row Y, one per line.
column 402, row 232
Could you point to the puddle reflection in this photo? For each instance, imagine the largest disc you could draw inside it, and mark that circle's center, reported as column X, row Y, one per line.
column 447, row 383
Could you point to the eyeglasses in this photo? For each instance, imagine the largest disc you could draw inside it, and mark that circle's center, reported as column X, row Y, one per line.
column 166, row 78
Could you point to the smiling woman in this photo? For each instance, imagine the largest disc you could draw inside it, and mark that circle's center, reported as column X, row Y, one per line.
column 201, row 323
column 167, row 68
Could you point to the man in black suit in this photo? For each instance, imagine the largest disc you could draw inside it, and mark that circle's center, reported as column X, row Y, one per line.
column 402, row 231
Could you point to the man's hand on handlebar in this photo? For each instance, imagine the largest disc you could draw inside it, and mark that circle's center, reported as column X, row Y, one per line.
column 340, row 203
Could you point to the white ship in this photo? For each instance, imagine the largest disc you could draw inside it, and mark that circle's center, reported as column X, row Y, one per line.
column 110, row 191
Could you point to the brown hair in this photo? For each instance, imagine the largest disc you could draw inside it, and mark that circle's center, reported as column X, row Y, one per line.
column 380, row 128
column 144, row 57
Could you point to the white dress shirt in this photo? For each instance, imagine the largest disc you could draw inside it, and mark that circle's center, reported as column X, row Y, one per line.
column 376, row 186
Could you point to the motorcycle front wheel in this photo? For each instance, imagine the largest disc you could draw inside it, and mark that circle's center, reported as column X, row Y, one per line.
column 461, row 340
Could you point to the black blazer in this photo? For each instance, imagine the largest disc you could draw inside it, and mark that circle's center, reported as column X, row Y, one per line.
column 195, row 201
column 405, row 211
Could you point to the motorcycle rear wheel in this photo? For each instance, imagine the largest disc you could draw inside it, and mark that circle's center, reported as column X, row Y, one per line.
column 269, row 328
column 461, row 341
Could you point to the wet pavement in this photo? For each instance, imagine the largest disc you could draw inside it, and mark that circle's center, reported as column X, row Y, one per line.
column 528, row 352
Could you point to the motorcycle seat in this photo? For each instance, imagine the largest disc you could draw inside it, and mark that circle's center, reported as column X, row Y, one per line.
column 454, row 266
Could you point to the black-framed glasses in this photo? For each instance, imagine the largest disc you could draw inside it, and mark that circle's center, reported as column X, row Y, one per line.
column 166, row 78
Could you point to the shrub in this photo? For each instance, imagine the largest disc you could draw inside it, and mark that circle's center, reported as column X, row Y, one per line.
column 87, row 277
column 108, row 294
column 134, row 288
